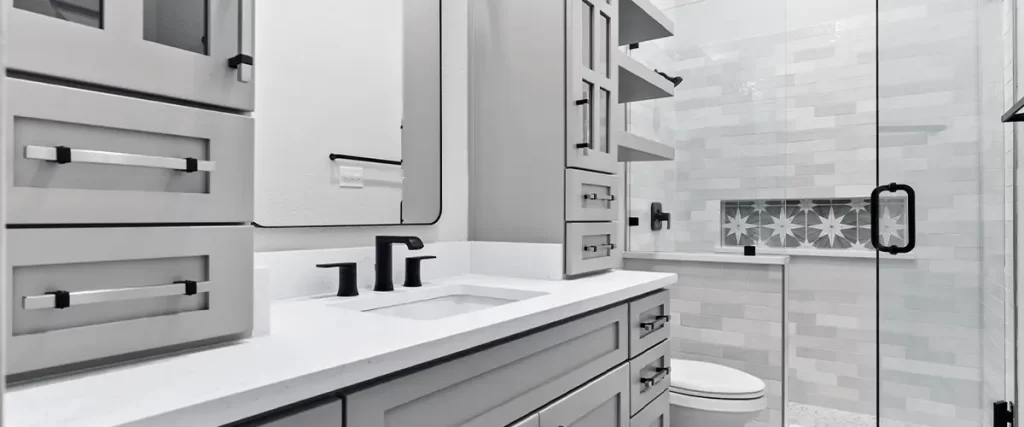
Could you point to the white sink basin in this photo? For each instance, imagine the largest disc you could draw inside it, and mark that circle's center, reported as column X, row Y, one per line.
column 432, row 303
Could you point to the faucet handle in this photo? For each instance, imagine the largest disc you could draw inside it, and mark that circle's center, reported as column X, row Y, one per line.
column 347, row 278
column 412, row 271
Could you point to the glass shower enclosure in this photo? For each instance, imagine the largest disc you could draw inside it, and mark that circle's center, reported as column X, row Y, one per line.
column 863, row 141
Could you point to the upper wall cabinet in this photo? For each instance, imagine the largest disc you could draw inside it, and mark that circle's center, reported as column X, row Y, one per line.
column 192, row 50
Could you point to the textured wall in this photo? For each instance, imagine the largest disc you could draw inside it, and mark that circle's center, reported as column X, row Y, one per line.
column 729, row 314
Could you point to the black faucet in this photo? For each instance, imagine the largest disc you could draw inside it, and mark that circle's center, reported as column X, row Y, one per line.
column 384, row 273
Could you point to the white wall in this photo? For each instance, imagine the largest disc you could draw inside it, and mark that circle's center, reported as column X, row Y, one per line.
column 454, row 175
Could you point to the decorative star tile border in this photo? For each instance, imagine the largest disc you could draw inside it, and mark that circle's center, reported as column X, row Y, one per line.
column 831, row 224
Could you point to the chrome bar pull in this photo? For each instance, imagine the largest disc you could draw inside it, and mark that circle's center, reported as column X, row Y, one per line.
column 660, row 376
column 244, row 61
column 658, row 323
column 64, row 299
column 595, row 248
column 595, row 196
column 64, row 155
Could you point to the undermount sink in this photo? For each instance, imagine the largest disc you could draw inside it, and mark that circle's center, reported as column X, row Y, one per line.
column 432, row 303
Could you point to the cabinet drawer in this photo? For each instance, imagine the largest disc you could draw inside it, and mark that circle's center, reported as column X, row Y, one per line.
column 591, row 247
column 649, row 376
column 649, row 322
column 128, row 160
column 322, row 414
column 178, row 49
column 591, row 196
column 601, row 403
column 499, row 385
column 125, row 291
column 656, row 414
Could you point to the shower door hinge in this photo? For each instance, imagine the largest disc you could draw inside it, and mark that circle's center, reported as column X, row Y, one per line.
column 1003, row 415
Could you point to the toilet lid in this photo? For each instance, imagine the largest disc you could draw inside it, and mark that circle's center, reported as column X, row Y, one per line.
column 701, row 378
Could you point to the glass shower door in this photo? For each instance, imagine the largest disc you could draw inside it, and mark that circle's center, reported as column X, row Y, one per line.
column 941, row 216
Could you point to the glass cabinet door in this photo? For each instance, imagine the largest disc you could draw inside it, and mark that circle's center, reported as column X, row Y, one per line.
column 192, row 50
column 592, row 85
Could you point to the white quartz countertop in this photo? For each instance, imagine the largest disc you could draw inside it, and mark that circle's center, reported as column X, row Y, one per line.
column 313, row 349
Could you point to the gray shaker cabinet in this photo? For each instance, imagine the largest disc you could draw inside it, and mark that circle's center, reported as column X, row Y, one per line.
column 181, row 49
column 543, row 80
column 500, row 385
column 602, row 403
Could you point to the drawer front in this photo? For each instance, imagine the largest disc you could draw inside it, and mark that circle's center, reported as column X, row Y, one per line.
column 591, row 196
column 128, row 160
column 601, row 403
column 656, row 414
column 649, row 376
column 591, row 247
column 126, row 291
column 649, row 322
column 329, row 414
column 497, row 386
column 177, row 49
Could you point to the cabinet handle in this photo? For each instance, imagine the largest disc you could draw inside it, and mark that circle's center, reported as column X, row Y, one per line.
column 595, row 248
column 658, row 323
column 63, row 155
column 244, row 61
column 595, row 196
column 585, row 103
column 657, row 378
column 64, row 299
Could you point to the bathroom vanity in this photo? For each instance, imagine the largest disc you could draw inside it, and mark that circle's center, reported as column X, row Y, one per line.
column 588, row 352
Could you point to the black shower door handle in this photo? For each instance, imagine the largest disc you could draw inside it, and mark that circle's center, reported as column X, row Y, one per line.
column 911, row 218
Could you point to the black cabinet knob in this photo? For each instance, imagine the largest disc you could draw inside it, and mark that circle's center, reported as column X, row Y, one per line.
column 348, row 283
column 412, row 271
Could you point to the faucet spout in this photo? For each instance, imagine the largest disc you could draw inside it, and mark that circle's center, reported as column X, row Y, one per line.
column 385, row 281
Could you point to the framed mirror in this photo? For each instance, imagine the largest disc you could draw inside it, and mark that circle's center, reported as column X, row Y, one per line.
column 348, row 113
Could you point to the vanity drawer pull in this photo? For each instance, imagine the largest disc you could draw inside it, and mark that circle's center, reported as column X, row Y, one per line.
column 658, row 323
column 595, row 248
column 657, row 378
column 63, row 155
column 594, row 196
column 64, row 299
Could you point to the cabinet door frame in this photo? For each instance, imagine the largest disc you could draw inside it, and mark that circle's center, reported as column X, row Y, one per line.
column 569, row 409
column 583, row 122
column 118, row 56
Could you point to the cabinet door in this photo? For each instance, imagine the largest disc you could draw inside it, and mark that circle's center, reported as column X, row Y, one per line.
column 591, row 89
column 602, row 403
column 499, row 385
column 531, row 421
column 324, row 414
column 175, row 48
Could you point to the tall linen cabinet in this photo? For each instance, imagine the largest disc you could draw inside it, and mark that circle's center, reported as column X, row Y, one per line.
column 543, row 89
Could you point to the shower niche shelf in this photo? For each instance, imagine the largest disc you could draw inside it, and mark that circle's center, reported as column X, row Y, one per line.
column 641, row 21
column 639, row 83
column 633, row 148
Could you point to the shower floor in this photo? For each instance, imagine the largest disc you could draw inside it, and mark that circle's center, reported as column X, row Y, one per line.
column 801, row 415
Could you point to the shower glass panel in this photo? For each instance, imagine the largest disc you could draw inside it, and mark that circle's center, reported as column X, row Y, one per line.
column 943, row 307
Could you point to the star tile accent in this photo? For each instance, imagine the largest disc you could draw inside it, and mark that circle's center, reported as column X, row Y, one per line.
column 825, row 224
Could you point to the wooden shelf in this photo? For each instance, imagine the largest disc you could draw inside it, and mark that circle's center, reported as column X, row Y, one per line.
column 634, row 148
column 639, row 83
column 641, row 21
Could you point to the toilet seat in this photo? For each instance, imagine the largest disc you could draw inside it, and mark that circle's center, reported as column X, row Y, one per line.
column 710, row 381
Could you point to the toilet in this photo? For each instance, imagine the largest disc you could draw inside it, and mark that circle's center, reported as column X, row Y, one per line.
column 709, row 395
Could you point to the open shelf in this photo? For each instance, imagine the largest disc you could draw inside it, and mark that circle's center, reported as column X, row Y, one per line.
column 639, row 83
column 634, row 148
column 641, row 21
